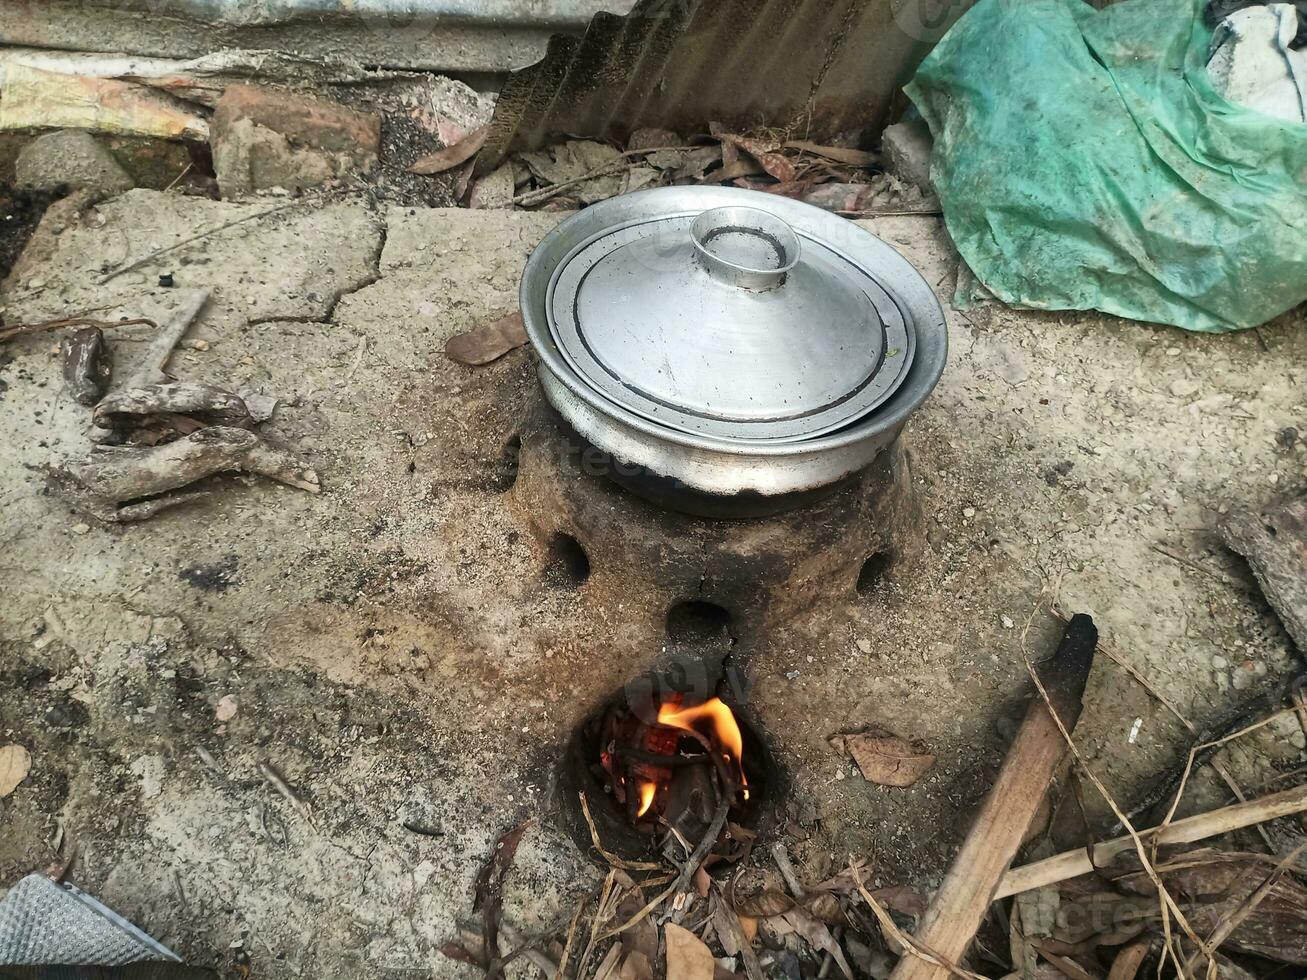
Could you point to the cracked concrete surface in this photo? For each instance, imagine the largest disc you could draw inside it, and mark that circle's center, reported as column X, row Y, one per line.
column 397, row 655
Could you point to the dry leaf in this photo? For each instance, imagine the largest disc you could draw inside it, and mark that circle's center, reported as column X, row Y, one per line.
column 701, row 881
column 644, row 139
column 826, row 907
column 488, row 342
column 722, row 926
column 635, row 967
column 449, row 157
column 226, row 708
column 697, row 162
column 765, row 904
column 764, row 151
column 15, row 764
column 840, row 154
column 687, row 957
column 818, row 936
column 884, row 759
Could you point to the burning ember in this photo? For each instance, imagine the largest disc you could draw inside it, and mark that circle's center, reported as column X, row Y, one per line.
column 677, row 771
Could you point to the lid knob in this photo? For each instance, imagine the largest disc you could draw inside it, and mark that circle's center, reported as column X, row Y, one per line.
column 745, row 247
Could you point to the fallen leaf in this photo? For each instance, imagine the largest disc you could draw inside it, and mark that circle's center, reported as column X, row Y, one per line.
column 635, row 967
column 818, row 936
column 594, row 169
column 15, row 764
column 885, row 759
column 764, row 151
column 722, row 926
column 449, row 131
column 488, row 342
column 644, row 139
column 697, row 162
column 449, row 157
column 765, row 904
column 226, row 708
column 826, row 907
column 702, row 882
column 840, row 154
column 687, row 957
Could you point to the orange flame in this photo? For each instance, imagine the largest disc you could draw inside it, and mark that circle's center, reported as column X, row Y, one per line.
column 719, row 720
column 647, row 791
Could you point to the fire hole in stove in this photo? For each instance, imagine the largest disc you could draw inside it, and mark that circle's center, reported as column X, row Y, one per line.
column 663, row 768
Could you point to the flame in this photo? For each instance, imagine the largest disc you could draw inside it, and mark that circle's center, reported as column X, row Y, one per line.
column 647, row 791
column 719, row 720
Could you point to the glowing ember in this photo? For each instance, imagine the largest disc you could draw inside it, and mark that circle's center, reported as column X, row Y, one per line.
column 714, row 720
column 674, row 770
column 647, row 792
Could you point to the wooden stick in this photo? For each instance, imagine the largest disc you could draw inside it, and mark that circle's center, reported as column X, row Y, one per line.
column 951, row 921
column 166, row 339
column 1072, row 864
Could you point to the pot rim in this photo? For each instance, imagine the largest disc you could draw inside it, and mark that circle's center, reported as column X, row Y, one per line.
column 902, row 281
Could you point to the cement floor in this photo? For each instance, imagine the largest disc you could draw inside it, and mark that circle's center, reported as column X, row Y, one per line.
column 395, row 653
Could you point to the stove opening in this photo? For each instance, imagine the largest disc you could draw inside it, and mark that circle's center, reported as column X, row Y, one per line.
column 569, row 565
column 661, row 770
column 873, row 571
column 699, row 623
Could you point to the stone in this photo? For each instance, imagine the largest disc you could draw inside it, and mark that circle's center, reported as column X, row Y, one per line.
column 70, row 158
column 494, row 190
column 264, row 138
column 905, row 149
column 1184, row 388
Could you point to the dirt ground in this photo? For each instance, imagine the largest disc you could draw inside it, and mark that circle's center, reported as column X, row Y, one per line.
column 396, row 654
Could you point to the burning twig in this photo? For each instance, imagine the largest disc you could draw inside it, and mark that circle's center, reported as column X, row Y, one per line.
column 951, row 921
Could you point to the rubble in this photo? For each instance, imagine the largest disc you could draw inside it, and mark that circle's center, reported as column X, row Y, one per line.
column 264, row 138
column 70, row 158
column 906, row 147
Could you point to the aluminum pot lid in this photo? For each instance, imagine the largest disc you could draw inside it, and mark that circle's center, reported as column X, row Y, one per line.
column 730, row 323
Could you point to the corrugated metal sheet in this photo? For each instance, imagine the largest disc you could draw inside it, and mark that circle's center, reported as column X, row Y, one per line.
column 818, row 67
column 441, row 35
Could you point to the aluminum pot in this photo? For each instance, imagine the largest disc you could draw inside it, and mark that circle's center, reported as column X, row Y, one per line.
column 731, row 352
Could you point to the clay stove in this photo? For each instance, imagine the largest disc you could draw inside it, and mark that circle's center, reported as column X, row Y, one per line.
column 724, row 379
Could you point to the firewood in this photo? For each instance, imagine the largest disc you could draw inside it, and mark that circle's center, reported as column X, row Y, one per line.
column 958, row 908
column 1072, row 864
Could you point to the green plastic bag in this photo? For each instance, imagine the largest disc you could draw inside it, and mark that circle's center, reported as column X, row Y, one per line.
column 1084, row 161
